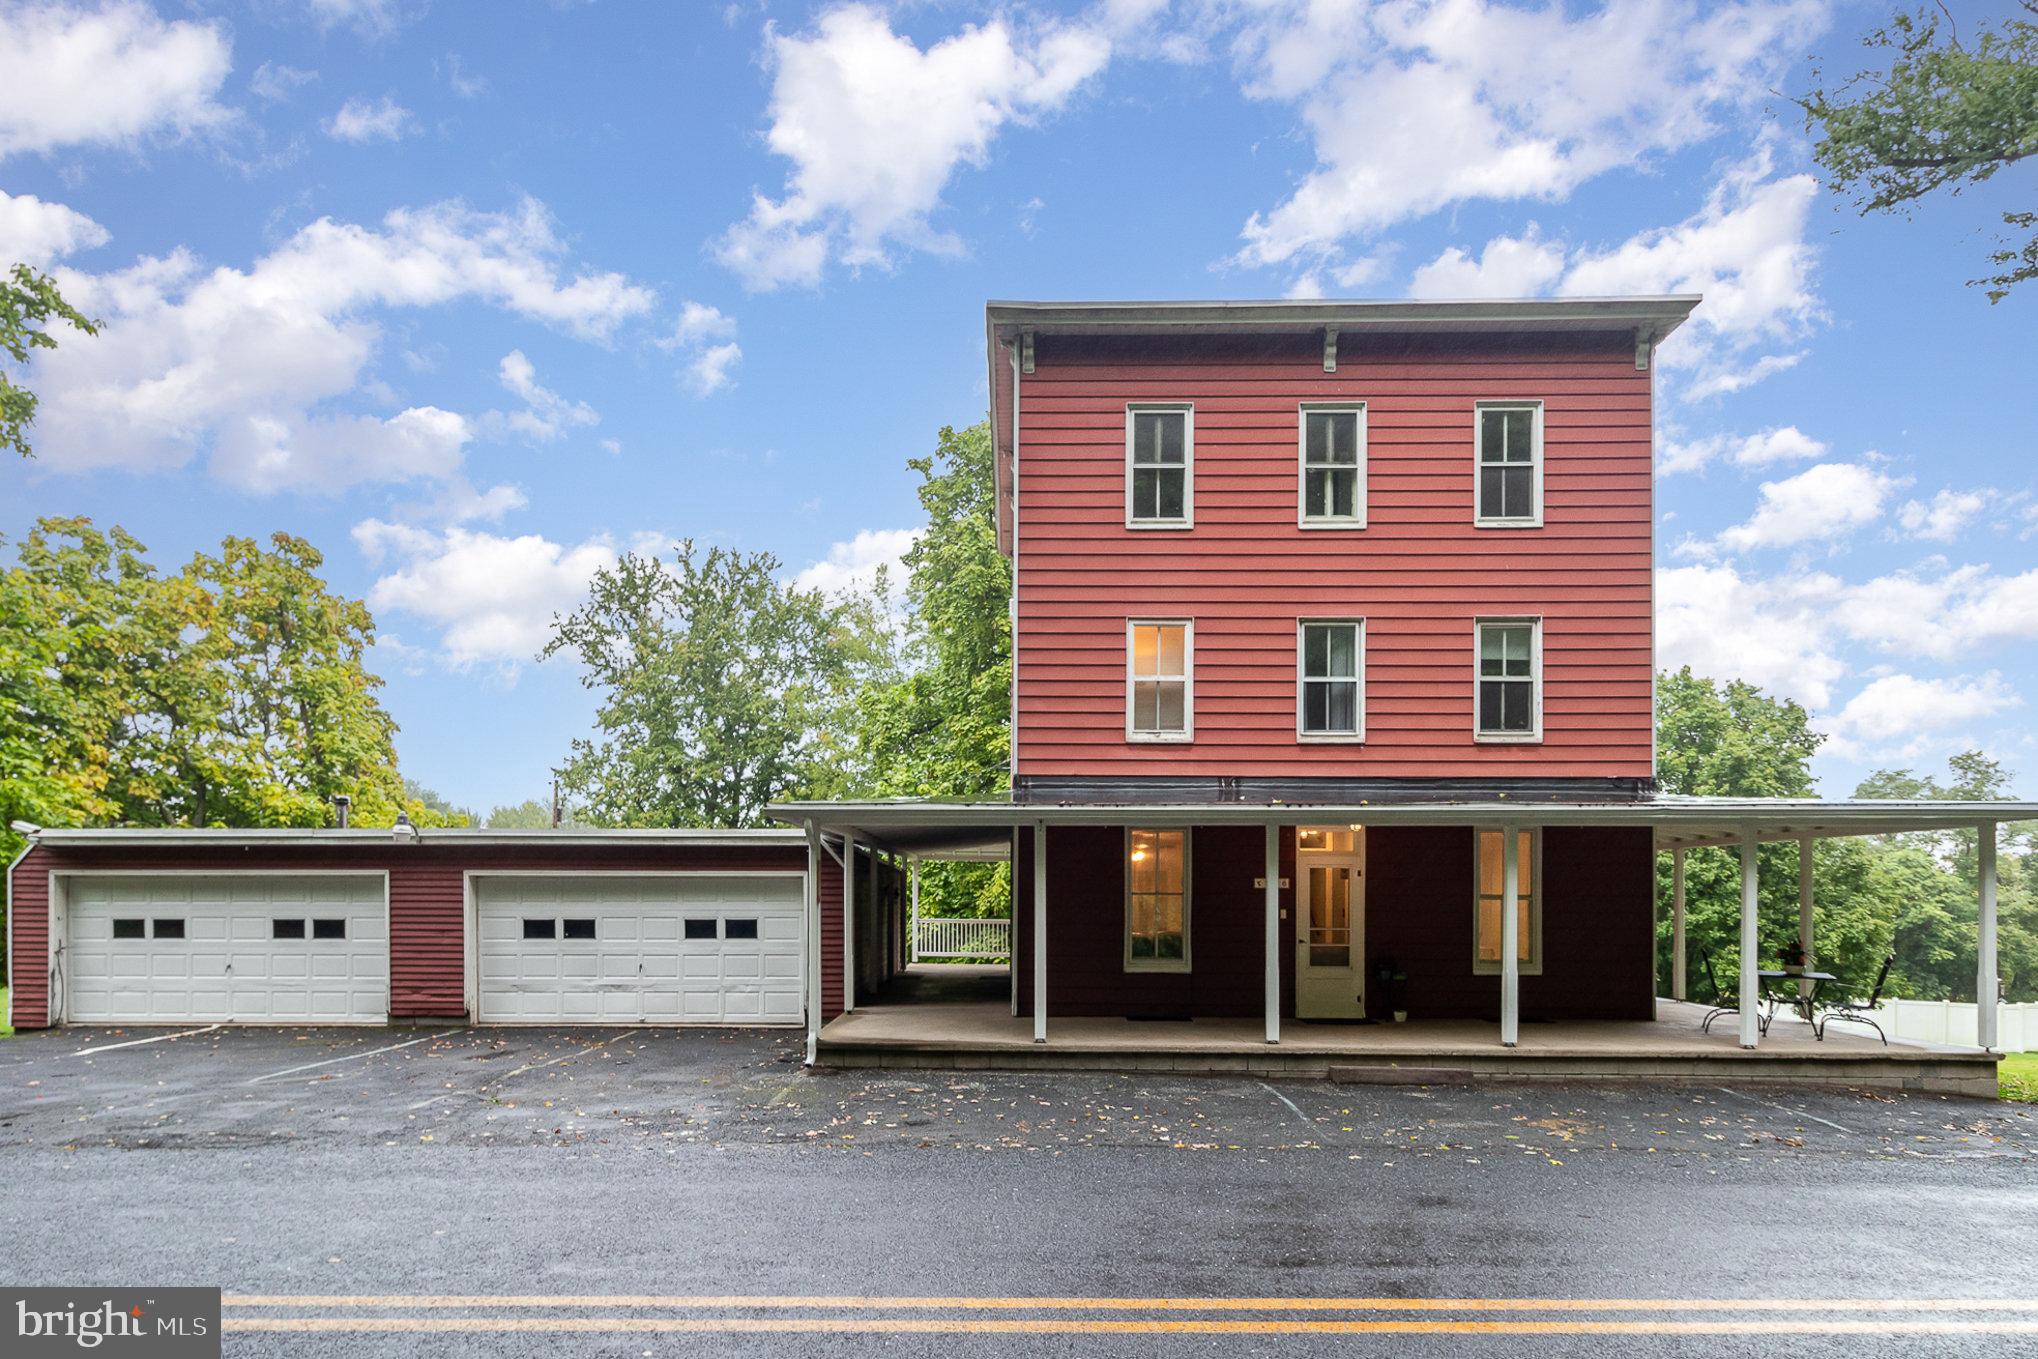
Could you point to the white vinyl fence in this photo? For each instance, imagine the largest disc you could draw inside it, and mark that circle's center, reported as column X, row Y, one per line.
column 1952, row 1022
column 943, row 938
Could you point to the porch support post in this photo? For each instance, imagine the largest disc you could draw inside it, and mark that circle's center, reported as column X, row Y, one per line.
column 848, row 922
column 1677, row 987
column 1273, row 980
column 1986, row 982
column 1040, row 931
column 1804, row 912
column 1751, row 990
column 913, row 951
column 813, row 949
column 1510, row 935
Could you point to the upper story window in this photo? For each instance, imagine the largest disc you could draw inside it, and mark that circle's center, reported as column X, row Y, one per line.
column 1510, row 679
column 1160, row 454
column 1158, row 680
column 1333, row 442
column 1332, row 668
column 1510, row 464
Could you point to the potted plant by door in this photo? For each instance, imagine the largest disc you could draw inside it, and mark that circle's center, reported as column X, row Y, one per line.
column 1391, row 982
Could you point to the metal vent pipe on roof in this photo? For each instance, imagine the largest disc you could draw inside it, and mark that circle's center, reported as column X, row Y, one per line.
column 342, row 804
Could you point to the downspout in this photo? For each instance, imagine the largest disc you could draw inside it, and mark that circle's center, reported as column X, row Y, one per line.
column 815, row 847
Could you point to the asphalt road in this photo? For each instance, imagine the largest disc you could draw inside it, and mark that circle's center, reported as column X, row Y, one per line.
column 649, row 1192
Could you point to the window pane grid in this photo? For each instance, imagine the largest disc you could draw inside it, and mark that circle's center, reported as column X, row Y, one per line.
column 1160, row 465
column 1491, row 896
column 1330, row 679
column 1157, row 897
column 1507, row 679
column 1160, row 678
column 1330, row 464
column 1507, row 457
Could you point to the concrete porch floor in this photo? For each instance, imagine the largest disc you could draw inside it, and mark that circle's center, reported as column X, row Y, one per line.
column 934, row 1016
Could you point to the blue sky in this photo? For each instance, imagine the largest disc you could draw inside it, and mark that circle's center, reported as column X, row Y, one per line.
column 475, row 297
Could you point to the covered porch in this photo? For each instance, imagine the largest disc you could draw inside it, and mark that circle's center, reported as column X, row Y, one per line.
column 1245, row 1017
column 953, row 1022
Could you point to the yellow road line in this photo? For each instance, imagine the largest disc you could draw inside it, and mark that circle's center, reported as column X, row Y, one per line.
column 849, row 1303
column 1148, row 1326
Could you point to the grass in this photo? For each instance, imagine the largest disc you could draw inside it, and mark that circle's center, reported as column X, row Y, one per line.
column 6, row 1031
column 2018, row 1075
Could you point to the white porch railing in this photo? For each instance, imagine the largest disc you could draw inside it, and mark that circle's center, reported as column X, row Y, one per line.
column 949, row 938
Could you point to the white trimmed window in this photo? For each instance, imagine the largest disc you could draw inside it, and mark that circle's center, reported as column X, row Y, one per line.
column 1509, row 453
column 1508, row 681
column 1333, row 451
column 1331, row 672
column 1156, row 900
column 1159, row 665
column 1488, row 879
column 1160, row 453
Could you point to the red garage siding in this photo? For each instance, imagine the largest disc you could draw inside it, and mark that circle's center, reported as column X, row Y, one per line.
column 1419, row 573
column 427, row 906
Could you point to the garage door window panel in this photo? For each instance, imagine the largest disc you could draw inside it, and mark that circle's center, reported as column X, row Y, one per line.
column 329, row 929
column 129, row 928
column 540, row 929
column 168, row 929
column 286, row 929
column 700, row 929
column 740, row 928
column 577, row 929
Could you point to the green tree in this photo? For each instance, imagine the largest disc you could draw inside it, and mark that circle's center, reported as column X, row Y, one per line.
column 530, row 814
column 445, row 813
column 719, row 687
column 942, row 727
column 29, row 302
column 1943, row 115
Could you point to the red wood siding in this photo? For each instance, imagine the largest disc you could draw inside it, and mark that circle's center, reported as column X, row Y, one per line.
column 831, row 937
column 1419, row 572
column 28, row 941
column 427, row 910
column 1598, row 926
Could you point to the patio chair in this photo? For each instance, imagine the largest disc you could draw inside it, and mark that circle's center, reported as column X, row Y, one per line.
column 1724, row 1002
column 1857, row 1011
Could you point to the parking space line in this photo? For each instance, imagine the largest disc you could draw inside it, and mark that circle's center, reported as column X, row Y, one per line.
column 1785, row 1109
column 353, row 1056
column 137, row 1042
column 580, row 1052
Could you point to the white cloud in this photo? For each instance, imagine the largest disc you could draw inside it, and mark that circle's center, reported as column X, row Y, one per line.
column 854, row 565
column 1792, row 632
column 372, row 18
column 249, row 363
column 1944, row 517
column 275, row 82
column 546, row 414
column 361, row 119
column 267, row 453
column 1413, row 108
column 1775, row 633
column 709, row 366
column 1508, row 267
column 875, row 127
column 107, row 76
column 1897, row 710
column 1745, row 250
column 462, row 81
column 492, row 597
column 39, row 233
column 1782, row 443
column 1824, row 501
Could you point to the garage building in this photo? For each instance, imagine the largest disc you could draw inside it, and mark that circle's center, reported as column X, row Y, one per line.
column 373, row 926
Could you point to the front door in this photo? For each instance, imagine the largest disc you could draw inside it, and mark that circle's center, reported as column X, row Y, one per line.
column 1330, row 910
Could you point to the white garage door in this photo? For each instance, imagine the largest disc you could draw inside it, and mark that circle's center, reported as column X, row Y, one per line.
column 270, row 949
column 687, row 949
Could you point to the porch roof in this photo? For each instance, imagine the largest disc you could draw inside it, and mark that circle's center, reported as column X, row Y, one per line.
column 981, row 830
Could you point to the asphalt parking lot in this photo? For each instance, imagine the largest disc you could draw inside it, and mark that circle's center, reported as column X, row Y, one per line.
column 229, row 1087
column 626, row 1192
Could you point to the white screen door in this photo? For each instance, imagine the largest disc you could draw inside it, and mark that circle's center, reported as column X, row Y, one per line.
column 1330, row 910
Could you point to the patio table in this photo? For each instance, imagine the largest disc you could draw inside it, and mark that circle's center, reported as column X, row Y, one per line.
column 1802, row 1000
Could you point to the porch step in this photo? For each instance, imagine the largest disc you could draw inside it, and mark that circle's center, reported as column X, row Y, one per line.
column 1946, row 1073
